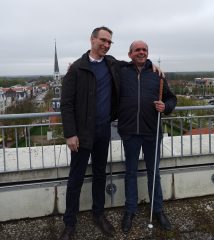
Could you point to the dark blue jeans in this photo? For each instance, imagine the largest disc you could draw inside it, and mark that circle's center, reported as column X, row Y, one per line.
column 132, row 146
column 79, row 162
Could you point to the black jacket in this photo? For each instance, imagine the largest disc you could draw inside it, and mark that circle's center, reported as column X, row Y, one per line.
column 79, row 97
column 138, row 91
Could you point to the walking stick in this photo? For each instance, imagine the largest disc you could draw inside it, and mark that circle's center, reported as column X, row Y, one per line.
column 150, row 225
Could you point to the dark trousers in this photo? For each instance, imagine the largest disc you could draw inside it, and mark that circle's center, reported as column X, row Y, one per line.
column 132, row 146
column 79, row 162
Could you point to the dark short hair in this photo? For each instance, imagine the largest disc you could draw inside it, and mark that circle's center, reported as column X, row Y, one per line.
column 96, row 31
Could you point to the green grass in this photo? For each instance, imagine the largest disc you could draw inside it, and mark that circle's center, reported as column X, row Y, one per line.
column 35, row 131
column 21, row 143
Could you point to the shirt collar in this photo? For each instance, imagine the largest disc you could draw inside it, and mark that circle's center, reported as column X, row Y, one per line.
column 91, row 59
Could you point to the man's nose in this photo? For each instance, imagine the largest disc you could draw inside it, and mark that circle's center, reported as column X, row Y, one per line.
column 107, row 44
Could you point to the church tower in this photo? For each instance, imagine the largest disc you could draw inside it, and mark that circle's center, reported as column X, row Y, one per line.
column 56, row 75
column 56, row 84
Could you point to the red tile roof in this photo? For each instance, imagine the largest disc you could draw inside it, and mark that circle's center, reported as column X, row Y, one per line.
column 198, row 131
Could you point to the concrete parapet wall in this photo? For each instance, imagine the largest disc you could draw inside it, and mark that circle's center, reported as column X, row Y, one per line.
column 194, row 183
column 35, row 200
column 17, row 203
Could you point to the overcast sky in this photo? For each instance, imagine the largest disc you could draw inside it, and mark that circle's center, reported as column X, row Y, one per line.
column 180, row 33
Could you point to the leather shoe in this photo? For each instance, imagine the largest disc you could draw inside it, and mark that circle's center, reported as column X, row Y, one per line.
column 163, row 221
column 104, row 225
column 67, row 233
column 127, row 222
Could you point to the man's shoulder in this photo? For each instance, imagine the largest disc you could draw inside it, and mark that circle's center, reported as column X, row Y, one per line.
column 113, row 59
column 77, row 62
column 110, row 58
column 80, row 61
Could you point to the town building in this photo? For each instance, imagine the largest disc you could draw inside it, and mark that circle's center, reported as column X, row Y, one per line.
column 203, row 81
column 13, row 95
column 2, row 101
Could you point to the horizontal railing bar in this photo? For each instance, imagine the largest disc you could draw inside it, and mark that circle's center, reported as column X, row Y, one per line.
column 201, row 107
column 29, row 115
column 49, row 114
column 187, row 117
column 31, row 125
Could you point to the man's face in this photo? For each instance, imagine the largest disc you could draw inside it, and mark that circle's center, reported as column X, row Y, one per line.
column 139, row 53
column 102, row 43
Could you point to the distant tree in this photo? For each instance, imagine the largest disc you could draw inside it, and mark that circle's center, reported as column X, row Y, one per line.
column 43, row 79
column 7, row 82
column 187, row 76
column 26, row 106
column 184, row 101
column 49, row 95
column 47, row 101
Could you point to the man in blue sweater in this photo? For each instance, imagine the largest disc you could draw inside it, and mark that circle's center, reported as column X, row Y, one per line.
column 137, row 125
column 90, row 93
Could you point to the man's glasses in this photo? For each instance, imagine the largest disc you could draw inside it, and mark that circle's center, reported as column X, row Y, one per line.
column 104, row 40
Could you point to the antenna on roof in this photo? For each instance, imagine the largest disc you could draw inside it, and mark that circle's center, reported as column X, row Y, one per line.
column 159, row 62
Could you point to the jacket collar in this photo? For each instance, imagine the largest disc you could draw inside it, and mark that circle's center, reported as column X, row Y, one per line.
column 147, row 65
column 85, row 60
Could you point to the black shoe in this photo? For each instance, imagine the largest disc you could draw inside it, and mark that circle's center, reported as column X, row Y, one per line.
column 104, row 225
column 67, row 233
column 127, row 222
column 163, row 221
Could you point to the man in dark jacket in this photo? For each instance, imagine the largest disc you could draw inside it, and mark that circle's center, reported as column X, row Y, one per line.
column 137, row 125
column 89, row 101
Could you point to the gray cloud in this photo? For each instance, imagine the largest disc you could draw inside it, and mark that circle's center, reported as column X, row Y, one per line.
column 180, row 33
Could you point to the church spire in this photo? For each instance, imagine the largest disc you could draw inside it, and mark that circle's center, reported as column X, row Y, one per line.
column 56, row 65
column 56, row 84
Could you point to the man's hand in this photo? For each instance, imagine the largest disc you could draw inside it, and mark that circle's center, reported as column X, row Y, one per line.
column 73, row 143
column 157, row 69
column 160, row 106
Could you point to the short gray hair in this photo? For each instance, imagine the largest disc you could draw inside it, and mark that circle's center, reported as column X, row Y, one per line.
column 132, row 44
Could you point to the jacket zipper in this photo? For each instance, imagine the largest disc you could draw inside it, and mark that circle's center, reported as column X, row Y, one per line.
column 138, row 105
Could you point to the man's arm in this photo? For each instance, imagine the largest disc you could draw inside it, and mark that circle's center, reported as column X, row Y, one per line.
column 68, row 103
column 169, row 98
column 157, row 69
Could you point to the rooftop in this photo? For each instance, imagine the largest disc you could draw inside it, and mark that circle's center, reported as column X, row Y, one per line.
column 36, row 176
column 191, row 219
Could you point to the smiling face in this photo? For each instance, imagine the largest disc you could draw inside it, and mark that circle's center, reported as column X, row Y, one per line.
column 138, row 52
column 100, row 44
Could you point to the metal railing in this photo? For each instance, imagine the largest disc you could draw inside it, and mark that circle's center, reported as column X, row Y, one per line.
column 38, row 143
column 194, row 127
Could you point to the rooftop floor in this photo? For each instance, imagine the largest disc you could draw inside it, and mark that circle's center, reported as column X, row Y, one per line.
column 191, row 219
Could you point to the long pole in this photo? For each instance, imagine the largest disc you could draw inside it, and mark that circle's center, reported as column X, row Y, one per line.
column 150, row 225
